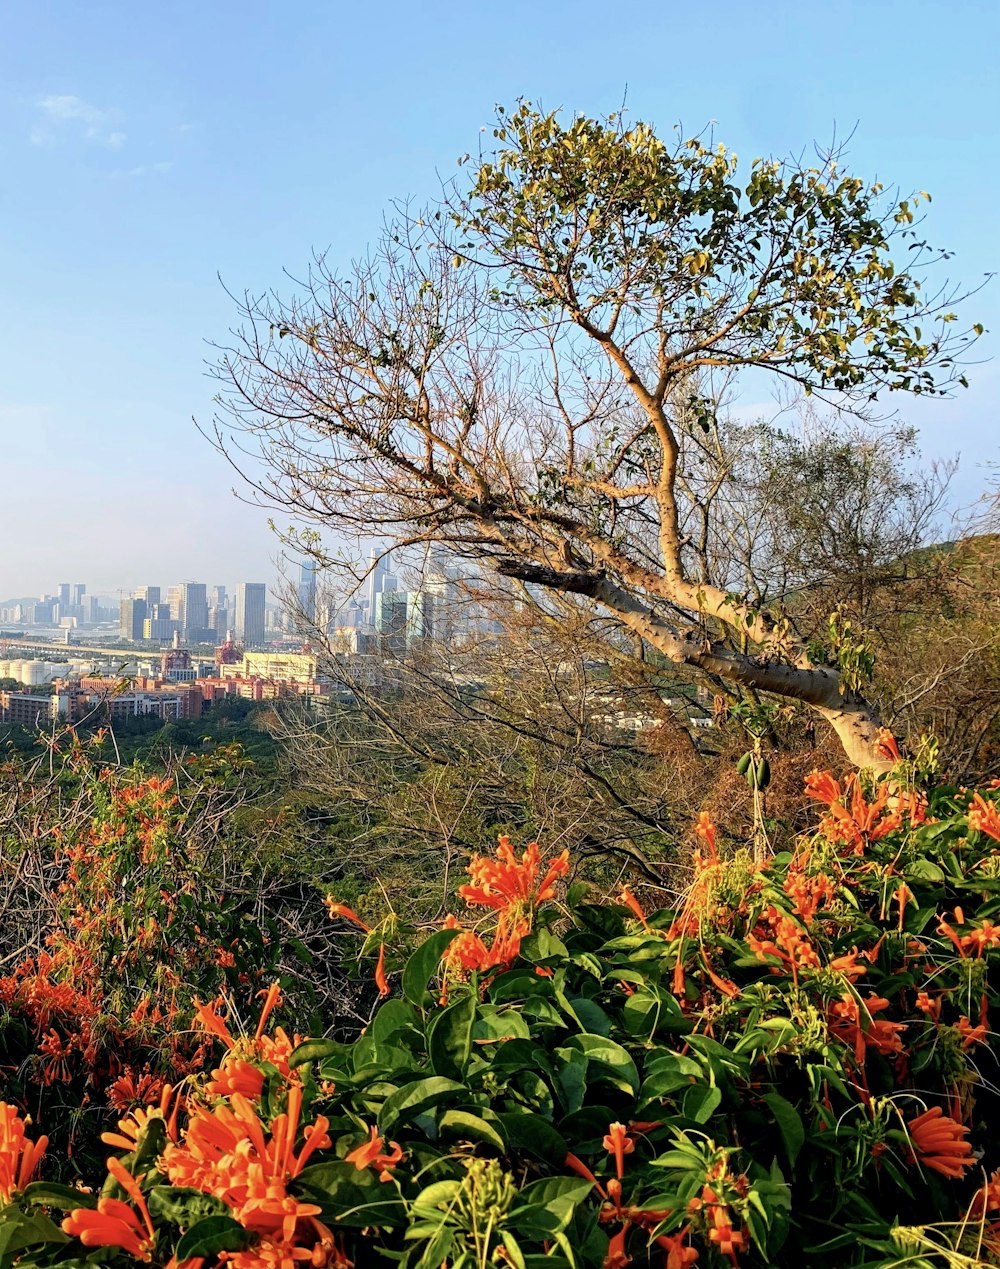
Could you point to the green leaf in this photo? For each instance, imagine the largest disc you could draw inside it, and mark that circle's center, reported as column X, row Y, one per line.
column 701, row 1101
column 350, row 1196
column 25, row 1229
column 449, row 1038
column 612, row 1062
column 316, row 1051
column 406, row 1103
column 423, row 965
column 525, row 1130
column 463, row 1126
column 789, row 1122
column 212, row 1235
column 391, row 1017
column 546, row 1207
column 181, row 1205
column 923, row 870
column 51, row 1194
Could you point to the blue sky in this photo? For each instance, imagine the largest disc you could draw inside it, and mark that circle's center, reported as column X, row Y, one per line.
column 149, row 149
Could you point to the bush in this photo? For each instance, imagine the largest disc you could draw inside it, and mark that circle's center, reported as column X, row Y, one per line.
column 792, row 1067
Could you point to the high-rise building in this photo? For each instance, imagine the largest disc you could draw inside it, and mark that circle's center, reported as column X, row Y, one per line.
column 79, row 590
column 195, row 608
column 218, row 620
column 63, row 595
column 132, row 617
column 376, row 582
column 307, row 591
column 158, row 625
column 189, row 608
column 248, row 618
column 217, row 597
column 420, row 614
column 390, row 619
column 151, row 594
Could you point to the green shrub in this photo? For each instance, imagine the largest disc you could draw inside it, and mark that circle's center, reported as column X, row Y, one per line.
column 792, row 1067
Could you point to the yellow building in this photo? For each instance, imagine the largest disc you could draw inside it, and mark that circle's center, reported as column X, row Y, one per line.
column 288, row 667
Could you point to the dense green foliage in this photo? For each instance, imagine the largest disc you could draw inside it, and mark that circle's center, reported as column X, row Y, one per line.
column 790, row 1067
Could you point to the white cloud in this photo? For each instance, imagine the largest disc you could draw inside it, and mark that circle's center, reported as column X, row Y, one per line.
column 66, row 114
column 147, row 169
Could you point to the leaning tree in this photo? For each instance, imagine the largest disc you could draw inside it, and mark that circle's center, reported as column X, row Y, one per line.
column 531, row 373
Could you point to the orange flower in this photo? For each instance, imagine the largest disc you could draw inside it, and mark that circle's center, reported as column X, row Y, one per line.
column 886, row 746
column 617, row 1257
column 823, row 787
column 728, row 1240
column 371, row 1155
column 114, row 1223
column 982, row 937
column 227, row 1153
column 848, row 965
column 678, row 1256
column 618, row 1143
column 381, row 982
column 705, row 829
column 342, row 910
column 971, row 1035
column 505, row 882
column 634, row 906
column 19, row 1157
column 984, row 817
column 939, row 1143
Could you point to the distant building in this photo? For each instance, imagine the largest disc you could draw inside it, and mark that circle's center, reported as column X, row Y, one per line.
column 189, row 607
column 306, row 591
column 390, row 620
column 159, row 626
column 249, row 616
column 25, row 710
column 132, row 617
column 151, row 594
column 292, row 667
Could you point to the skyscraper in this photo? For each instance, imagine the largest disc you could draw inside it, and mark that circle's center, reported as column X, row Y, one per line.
column 131, row 618
column 79, row 590
column 251, row 599
column 307, row 591
column 390, row 620
column 374, row 584
column 151, row 594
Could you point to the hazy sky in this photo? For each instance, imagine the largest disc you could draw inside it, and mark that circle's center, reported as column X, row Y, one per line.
column 149, row 149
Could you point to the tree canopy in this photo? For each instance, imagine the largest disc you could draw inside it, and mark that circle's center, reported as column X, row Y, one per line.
column 533, row 372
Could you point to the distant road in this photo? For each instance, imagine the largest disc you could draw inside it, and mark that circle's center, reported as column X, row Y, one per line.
column 49, row 645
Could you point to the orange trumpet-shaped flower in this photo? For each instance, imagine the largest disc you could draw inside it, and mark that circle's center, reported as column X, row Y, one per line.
column 19, row 1157
column 342, row 910
column 634, row 906
column 114, row 1223
column 617, row 1257
column 507, row 882
column 678, row 1256
column 372, row 1155
column 705, row 828
column 618, row 1143
column 984, row 817
column 886, row 745
column 226, row 1152
column 823, row 787
column 381, row 982
column 939, row 1143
